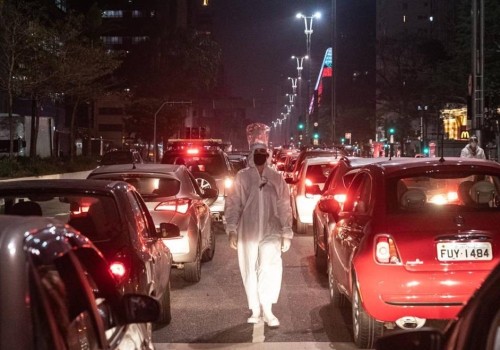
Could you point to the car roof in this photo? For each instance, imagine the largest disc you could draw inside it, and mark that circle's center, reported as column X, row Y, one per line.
column 320, row 160
column 136, row 169
column 399, row 164
column 64, row 184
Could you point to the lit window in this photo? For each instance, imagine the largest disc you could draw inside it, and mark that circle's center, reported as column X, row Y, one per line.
column 112, row 14
column 61, row 4
column 139, row 39
column 404, row 19
column 112, row 40
column 205, row 2
column 137, row 13
column 431, row 18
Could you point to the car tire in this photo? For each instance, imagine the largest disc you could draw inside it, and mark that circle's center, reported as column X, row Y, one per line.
column 366, row 330
column 192, row 270
column 204, row 180
column 301, row 227
column 166, row 312
column 320, row 255
column 208, row 254
column 337, row 298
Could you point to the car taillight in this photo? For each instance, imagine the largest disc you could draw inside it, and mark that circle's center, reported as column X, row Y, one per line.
column 308, row 182
column 339, row 197
column 193, row 151
column 386, row 251
column 177, row 205
column 120, row 267
column 228, row 182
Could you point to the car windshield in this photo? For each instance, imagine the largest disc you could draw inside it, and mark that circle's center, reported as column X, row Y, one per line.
column 116, row 158
column 318, row 173
column 93, row 215
column 466, row 192
column 212, row 164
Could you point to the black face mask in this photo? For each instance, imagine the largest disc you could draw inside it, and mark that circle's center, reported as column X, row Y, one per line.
column 259, row 159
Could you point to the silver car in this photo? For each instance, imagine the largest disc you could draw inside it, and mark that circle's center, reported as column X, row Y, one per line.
column 172, row 195
column 59, row 293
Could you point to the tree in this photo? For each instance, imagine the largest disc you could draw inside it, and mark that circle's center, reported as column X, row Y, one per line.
column 19, row 35
column 84, row 68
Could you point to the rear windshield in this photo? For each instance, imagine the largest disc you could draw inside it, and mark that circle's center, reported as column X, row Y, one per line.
column 212, row 164
column 116, row 158
column 469, row 192
column 318, row 173
column 94, row 216
column 149, row 187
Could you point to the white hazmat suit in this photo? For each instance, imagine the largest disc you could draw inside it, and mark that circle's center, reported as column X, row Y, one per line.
column 258, row 210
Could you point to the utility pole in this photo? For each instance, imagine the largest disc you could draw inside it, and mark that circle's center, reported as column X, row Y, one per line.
column 477, row 69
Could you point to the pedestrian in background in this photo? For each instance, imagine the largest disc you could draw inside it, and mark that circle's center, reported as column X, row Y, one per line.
column 259, row 220
column 472, row 149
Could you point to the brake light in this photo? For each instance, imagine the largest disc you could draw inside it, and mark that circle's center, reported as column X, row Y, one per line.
column 386, row 251
column 118, row 269
column 228, row 182
column 452, row 196
column 193, row 151
column 308, row 182
column 341, row 198
column 81, row 210
column 178, row 205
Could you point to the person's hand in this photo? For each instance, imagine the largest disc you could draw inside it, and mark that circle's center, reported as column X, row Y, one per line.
column 233, row 240
column 285, row 244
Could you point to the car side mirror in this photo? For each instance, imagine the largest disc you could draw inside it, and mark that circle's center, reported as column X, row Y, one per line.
column 168, row 230
column 140, row 308
column 329, row 205
column 210, row 193
column 421, row 339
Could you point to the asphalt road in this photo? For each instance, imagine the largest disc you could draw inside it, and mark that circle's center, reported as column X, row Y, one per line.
column 212, row 314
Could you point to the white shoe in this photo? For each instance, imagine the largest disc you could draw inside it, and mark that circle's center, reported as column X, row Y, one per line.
column 254, row 319
column 272, row 321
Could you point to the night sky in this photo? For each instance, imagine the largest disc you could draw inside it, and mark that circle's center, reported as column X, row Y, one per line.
column 258, row 38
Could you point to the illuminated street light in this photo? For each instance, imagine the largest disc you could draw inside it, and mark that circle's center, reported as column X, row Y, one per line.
column 300, row 64
column 291, row 98
column 294, row 84
column 308, row 23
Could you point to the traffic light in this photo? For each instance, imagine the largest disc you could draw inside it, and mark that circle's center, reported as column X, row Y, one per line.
column 342, row 140
column 426, row 151
column 300, row 126
column 392, row 131
column 316, row 135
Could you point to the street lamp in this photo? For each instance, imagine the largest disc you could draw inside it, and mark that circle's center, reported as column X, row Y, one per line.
column 308, row 23
column 294, row 84
column 154, row 130
column 291, row 98
column 300, row 63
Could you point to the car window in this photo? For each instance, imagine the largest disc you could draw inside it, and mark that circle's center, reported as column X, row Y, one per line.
column 214, row 164
column 448, row 191
column 194, row 184
column 359, row 195
column 140, row 221
column 62, row 298
column 318, row 173
column 95, row 216
column 117, row 158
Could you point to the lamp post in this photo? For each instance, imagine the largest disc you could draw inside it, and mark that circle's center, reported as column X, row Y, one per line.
column 294, row 84
column 308, row 23
column 154, row 130
column 300, row 64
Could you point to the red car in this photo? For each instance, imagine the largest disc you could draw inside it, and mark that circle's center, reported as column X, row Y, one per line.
column 413, row 241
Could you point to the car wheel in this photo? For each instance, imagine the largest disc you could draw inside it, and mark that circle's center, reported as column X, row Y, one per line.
column 208, row 254
column 205, row 181
column 192, row 270
column 165, row 314
column 365, row 328
column 337, row 298
column 301, row 227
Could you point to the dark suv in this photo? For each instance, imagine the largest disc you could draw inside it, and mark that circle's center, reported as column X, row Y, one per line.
column 208, row 163
column 113, row 215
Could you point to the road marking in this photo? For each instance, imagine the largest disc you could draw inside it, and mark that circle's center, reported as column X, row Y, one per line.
column 258, row 332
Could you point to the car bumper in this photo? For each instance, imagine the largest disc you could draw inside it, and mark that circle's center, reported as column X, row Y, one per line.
column 389, row 295
column 305, row 208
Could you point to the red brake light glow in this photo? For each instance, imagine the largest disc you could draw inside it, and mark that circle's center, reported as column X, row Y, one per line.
column 386, row 251
column 178, row 205
column 339, row 197
column 118, row 270
column 308, row 182
column 193, row 151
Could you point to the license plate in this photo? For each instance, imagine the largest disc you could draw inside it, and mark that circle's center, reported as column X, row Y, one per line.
column 467, row 251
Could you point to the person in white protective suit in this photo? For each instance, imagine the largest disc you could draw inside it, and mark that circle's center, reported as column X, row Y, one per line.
column 472, row 149
column 259, row 219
